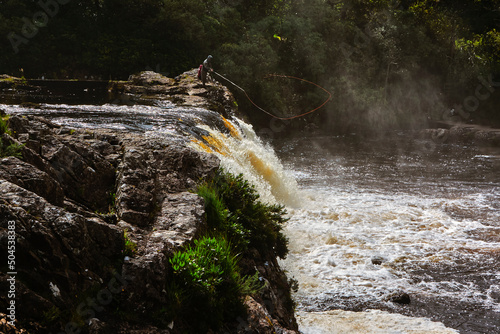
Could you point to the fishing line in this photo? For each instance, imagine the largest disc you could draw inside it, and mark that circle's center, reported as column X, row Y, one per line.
column 287, row 77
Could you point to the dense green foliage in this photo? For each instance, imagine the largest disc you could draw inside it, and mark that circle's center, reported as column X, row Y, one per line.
column 7, row 150
column 212, row 286
column 232, row 206
column 208, row 283
column 388, row 63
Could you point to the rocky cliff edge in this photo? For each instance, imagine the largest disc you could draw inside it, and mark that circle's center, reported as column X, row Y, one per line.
column 97, row 216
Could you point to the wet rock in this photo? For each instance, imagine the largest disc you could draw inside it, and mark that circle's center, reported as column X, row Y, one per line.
column 81, row 170
column 461, row 134
column 259, row 320
column 151, row 202
column 148, row 172
column 179, row 221
column 88, row 177
column 275, row 296
column 150, row 78
column 464, row 134
column 58, row 254
column 439, row 135
column 25, row 175
column 377, row 260
column 400, row 298
column 488, row 137
column 184, row 90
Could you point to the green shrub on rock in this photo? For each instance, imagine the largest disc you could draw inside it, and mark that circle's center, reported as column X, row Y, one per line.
column 207, row 283
column 232, row 205
column 8, row 149
column 208, row 274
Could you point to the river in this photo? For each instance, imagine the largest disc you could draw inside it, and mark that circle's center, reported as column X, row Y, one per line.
column 387, row 222
column 386, row 236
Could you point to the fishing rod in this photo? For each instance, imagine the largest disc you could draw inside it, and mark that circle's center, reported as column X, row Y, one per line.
column 281, row 76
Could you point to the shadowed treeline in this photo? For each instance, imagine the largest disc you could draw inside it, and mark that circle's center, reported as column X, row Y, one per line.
column 389, row 64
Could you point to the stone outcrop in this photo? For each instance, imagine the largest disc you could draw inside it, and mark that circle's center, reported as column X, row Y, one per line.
column 59, row 254
column 78, row 199
column 461, row 133
column 184, row 90
column 23, row 174
column 83, row 172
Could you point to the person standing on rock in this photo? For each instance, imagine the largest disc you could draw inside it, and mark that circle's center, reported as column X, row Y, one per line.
column 206, row 67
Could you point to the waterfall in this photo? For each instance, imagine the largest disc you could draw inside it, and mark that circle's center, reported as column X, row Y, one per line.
column 241, row 151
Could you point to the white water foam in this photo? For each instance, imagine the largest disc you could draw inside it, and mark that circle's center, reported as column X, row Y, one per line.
column 336, row 236
column 244, row 153
column 155, row 120
column 370, row 322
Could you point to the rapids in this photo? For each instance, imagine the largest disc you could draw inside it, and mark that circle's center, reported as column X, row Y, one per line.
column 373, row 221
column 392, row 217
column 369, row 220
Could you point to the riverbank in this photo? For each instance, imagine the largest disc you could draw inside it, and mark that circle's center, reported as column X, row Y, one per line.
column 145, row 88
column 463, row 133
column 149, row 87
column 99, row 214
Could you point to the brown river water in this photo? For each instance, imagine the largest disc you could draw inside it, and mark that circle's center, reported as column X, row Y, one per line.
column 399, row 225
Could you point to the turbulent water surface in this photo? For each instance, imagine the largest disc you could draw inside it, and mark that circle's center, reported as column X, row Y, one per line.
column 396, row 225
column 388, row 236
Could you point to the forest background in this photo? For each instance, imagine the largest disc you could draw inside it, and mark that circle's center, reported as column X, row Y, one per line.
column 388, row 64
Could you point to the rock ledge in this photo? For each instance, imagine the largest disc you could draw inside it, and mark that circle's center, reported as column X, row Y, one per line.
column 74, row 195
